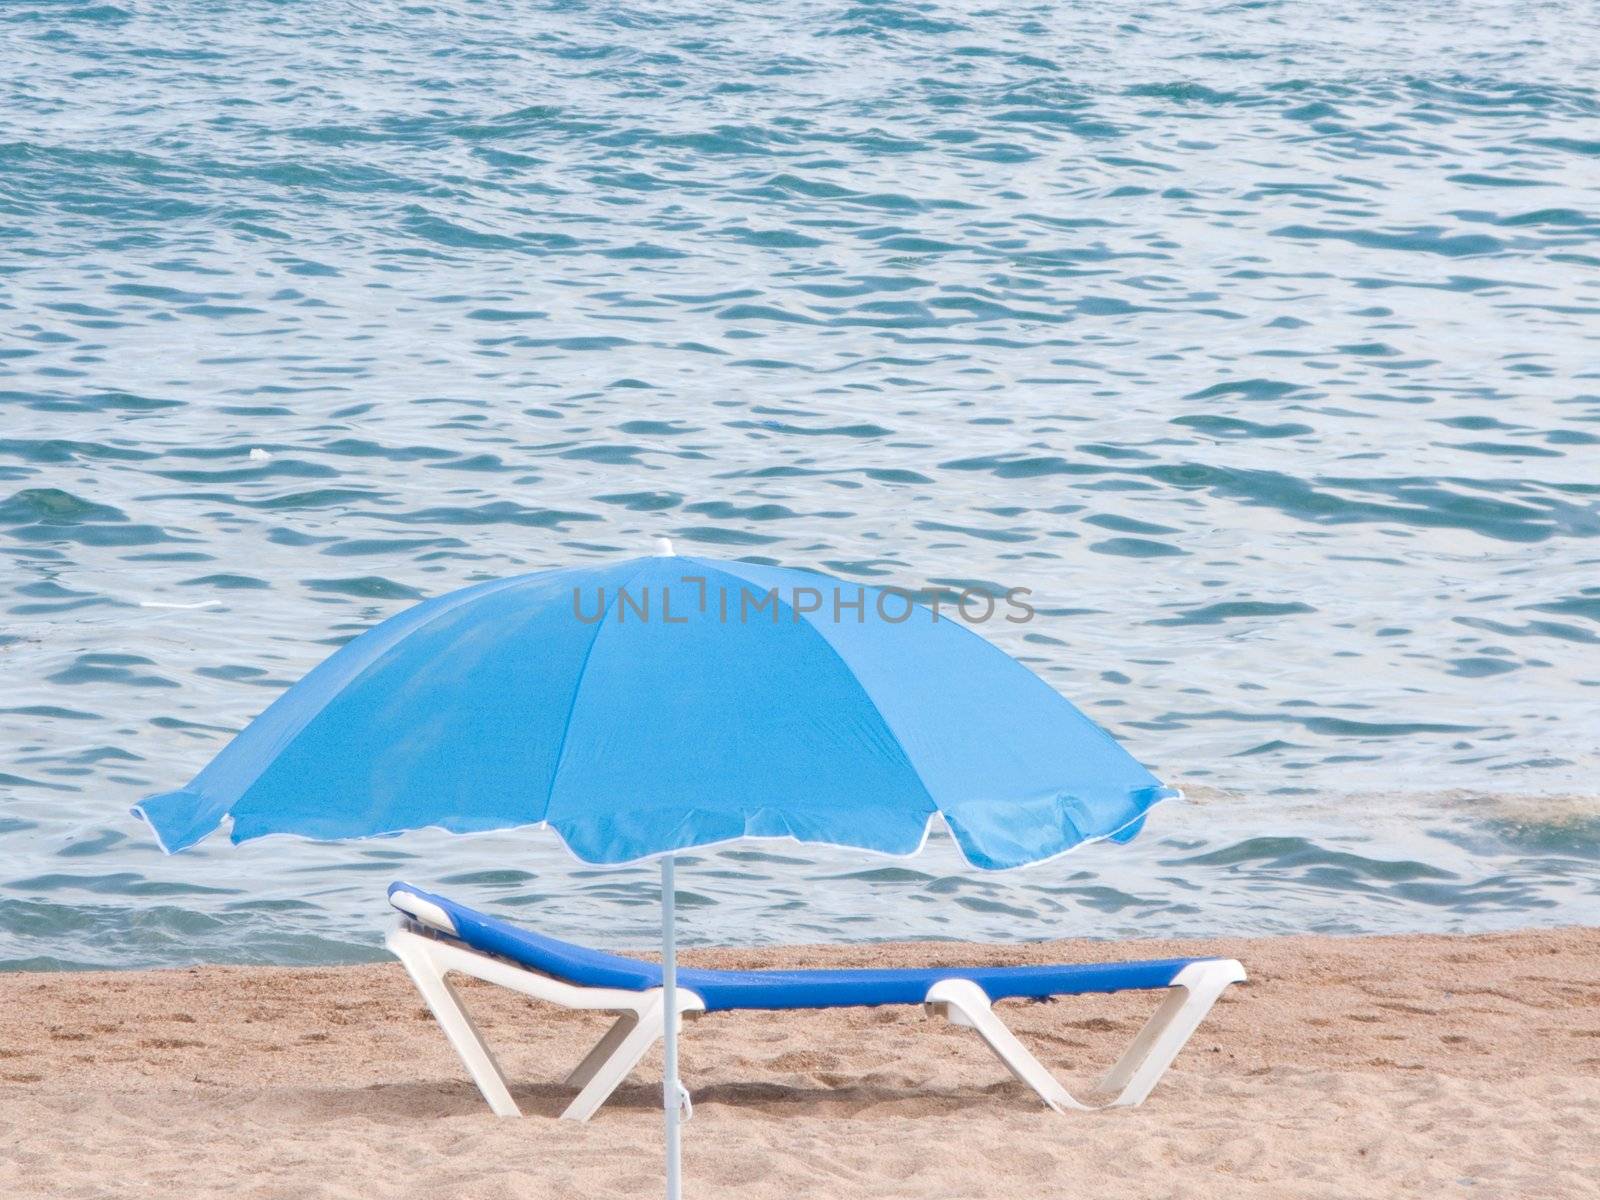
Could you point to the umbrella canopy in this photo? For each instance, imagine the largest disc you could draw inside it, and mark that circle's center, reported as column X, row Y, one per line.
column 664, row 703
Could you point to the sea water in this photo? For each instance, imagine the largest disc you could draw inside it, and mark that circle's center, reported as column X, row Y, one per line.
column 1260, row 341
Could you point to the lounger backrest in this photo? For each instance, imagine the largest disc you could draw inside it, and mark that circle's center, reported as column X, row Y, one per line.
column 575, row 964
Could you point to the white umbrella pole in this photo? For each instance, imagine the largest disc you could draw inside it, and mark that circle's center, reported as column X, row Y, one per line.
column 671, row 1089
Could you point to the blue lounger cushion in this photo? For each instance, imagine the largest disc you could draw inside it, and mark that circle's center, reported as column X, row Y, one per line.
column 723, row 990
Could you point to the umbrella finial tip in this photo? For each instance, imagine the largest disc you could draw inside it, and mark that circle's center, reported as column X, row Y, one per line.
column 664, row 548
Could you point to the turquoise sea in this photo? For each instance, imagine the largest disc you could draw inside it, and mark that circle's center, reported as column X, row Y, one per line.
column 1261, row 341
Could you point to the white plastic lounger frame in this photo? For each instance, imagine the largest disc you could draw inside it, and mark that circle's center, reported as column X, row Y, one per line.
column 1189, row 998
column 640, row 1021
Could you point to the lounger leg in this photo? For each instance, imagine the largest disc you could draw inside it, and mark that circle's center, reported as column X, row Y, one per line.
column 965, row 1003
column 611, row 1071
column 446, row 1006
column 1188, row 1000
column 603, row 1049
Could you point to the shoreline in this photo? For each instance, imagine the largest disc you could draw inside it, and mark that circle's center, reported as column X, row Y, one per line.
column 1349, row 1066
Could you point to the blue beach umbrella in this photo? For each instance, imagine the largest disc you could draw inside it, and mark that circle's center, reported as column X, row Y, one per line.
column 667, row 703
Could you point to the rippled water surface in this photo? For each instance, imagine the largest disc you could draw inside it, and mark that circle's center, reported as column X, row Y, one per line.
column 1259, row 340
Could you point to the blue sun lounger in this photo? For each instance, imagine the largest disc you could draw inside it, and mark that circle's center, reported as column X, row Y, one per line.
column 437, row 936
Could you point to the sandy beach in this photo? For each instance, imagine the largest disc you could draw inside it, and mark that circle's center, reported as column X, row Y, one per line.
column 1347, row 1067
